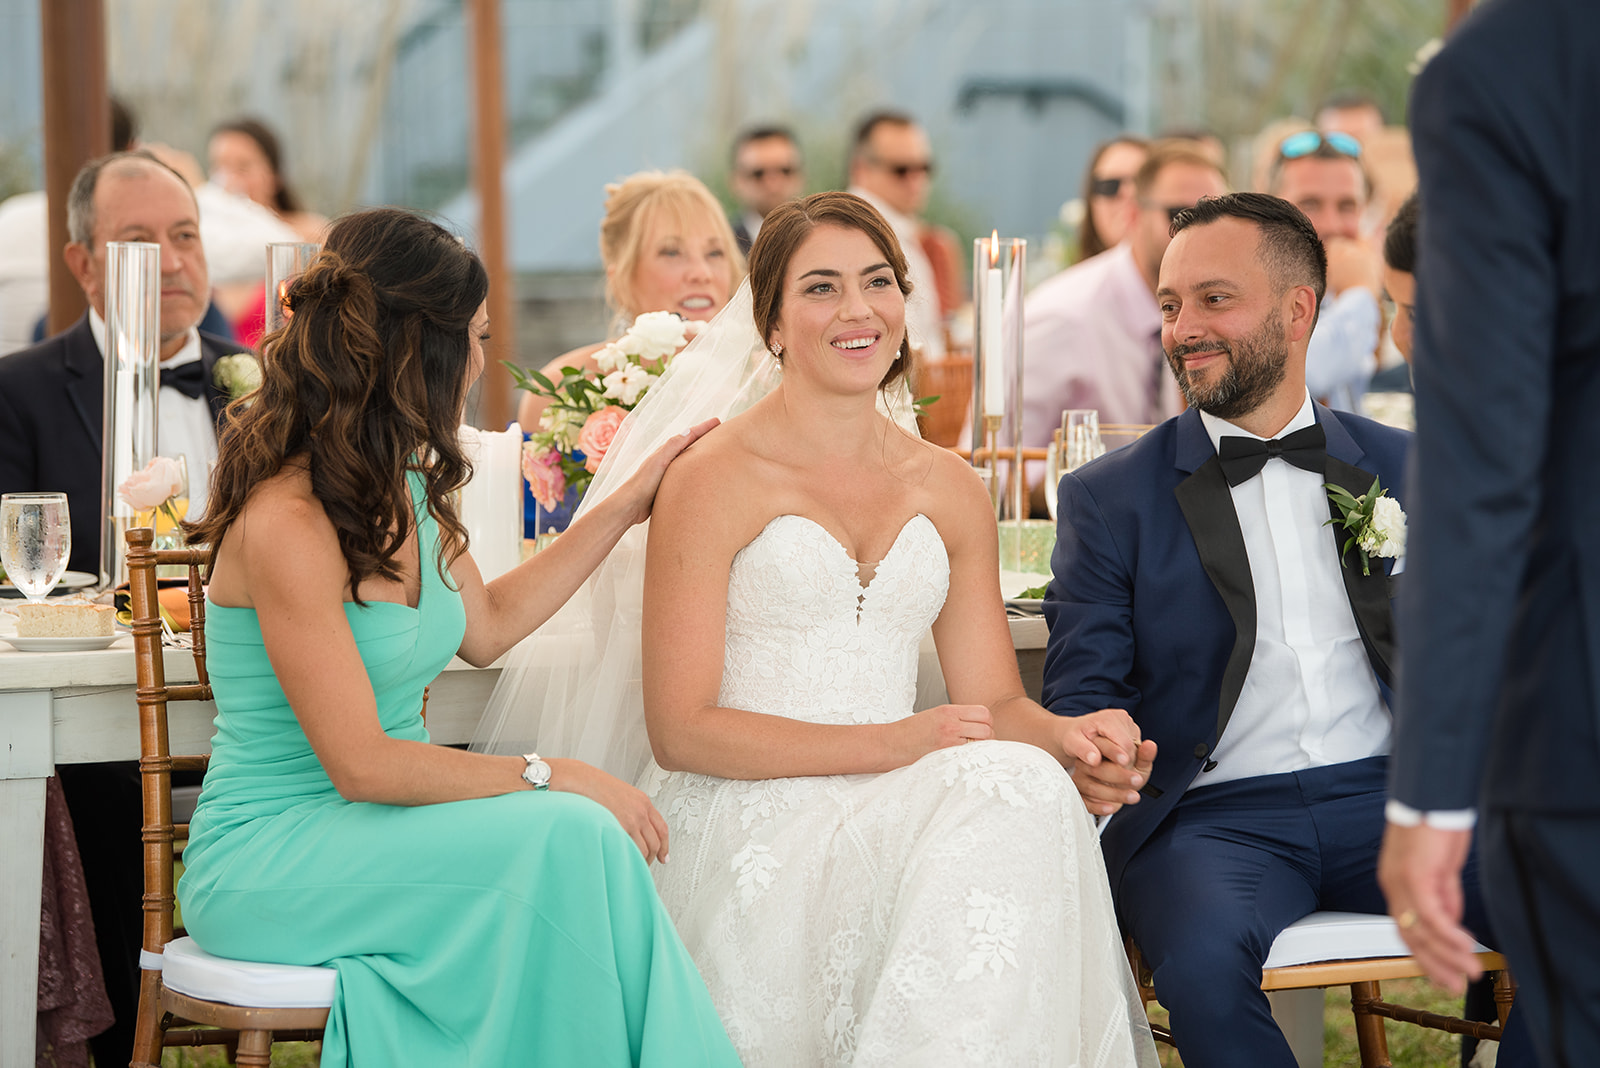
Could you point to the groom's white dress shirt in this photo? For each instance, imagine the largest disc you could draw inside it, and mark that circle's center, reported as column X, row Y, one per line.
column 1310, row 697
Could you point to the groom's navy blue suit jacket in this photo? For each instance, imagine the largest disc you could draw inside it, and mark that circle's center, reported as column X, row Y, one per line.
column 1152, row 607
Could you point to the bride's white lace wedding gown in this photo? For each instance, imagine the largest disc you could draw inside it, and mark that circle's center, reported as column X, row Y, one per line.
column 954, row 911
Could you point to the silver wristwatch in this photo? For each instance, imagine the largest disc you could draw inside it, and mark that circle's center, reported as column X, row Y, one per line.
column 537, row 773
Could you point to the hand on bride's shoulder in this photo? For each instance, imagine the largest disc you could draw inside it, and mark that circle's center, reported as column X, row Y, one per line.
column 641, row 487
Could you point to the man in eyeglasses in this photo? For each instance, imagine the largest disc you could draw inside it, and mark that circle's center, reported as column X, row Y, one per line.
column 1322, row 175
column 767, row 171
column 891, row 167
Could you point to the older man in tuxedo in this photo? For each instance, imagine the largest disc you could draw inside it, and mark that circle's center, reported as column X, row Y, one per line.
column 1499, row 715
column 1199, row 586
column 50, row 430
column 51, row 395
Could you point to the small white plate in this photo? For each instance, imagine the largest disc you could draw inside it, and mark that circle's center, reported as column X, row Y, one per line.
column 59, row 645
column 70, row 580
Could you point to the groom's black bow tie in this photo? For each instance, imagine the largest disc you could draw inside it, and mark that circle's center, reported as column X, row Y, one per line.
column 187, row 378
column 1243, row 458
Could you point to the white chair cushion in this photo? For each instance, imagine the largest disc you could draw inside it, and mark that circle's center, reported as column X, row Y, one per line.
column 1324, row 936
column 190, row 970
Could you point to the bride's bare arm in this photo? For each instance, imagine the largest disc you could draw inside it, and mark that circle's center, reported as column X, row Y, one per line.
column 505, row 611
column 704, row 514
column 974, row 640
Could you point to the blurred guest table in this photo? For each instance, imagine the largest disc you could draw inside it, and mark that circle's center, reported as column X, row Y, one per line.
column 78, row 707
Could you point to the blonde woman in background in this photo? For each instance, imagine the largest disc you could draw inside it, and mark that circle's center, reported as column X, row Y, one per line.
column 666, row 245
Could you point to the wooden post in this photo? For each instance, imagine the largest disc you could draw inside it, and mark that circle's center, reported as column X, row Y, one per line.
column 488, row 165
column 77, row 127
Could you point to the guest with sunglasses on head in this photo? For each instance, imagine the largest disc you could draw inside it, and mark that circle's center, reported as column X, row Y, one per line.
column 767, row 171
column 1093, row 332
column 1321, row 173
column 891, row 168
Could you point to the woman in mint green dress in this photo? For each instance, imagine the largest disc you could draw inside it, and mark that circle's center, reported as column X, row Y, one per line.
column 485, row 910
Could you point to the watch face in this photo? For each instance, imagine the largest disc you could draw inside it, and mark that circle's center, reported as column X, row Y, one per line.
column 537, row 774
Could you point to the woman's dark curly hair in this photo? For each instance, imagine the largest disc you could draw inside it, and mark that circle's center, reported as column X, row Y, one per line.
column 366, row 382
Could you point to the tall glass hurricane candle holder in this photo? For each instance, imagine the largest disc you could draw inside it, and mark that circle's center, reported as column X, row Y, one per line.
column 132, row 387
column 286, row 261
column 999, row 266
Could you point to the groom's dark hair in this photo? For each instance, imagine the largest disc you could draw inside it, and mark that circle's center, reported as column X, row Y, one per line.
column 1290, row 247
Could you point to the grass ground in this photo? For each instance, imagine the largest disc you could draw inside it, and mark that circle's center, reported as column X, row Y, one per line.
column 1410, row 1047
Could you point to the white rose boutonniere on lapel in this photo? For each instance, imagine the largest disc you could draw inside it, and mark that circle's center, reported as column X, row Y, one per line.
column 1375, row 522
column 237, row 375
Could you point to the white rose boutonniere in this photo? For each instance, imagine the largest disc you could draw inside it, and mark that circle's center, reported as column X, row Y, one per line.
column 237, row 375
column 1375, row 522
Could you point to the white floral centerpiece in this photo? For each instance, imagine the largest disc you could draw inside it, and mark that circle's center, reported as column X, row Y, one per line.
column 237, row 375
column 583, row 415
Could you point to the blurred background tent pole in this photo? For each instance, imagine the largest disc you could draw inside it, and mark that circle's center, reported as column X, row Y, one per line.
column 77, row 126
column 488, row 165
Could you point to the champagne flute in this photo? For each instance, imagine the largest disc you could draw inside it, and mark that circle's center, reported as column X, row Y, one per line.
column 35, row 541
column 1080, row 433
column 1052, row 473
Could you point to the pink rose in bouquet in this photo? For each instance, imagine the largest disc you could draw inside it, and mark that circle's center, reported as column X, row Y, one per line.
column 159, row 481
column 541, row 466
column 598, row 431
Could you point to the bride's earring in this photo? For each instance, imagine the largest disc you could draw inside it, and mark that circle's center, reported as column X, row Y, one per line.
column 777, row 352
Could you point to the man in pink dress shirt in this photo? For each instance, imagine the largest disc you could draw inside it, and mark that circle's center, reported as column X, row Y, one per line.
column 1092, row 334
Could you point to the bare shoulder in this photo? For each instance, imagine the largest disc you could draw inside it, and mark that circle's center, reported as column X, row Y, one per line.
column 281, row 531
column 714, row 488
column 954, row 497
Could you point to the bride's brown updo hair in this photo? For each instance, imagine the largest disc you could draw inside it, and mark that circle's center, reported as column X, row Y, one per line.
column 786, row 229
column 366, row 382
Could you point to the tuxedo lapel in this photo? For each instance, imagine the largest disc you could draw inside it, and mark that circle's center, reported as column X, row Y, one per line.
column 86, row 386
column 1369, row 594
column 1207, row 507
column 216, row 399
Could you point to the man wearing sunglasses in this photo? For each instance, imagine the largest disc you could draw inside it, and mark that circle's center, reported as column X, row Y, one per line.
column 1092, row 333
column 1321, row 174
column 891, row 167
column 767, row 171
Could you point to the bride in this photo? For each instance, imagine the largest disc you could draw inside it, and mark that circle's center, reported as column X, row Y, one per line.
column 857, row 884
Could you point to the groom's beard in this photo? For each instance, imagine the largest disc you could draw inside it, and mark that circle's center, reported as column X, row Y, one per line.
column 1255, row 367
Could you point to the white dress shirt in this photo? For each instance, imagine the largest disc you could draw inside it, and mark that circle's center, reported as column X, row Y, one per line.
column 923, row 322
column 183, row 424
column 1310, row 697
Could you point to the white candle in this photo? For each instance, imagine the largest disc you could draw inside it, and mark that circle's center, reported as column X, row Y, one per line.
column 491, row 504
column 994, row 363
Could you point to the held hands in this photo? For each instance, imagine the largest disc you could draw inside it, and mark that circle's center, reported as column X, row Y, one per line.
column 941, row 728
column 1113, row 762
column 631, row 807
column 640, row 489
column 1419, row 870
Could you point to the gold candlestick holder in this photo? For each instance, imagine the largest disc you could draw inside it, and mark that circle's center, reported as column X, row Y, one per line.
column 991, row 456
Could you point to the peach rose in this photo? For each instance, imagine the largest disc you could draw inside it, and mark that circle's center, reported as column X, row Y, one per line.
column 542, row 468
column 598, row 431
column 160, row 481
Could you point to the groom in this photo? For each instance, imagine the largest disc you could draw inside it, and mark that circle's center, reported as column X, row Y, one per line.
column 1199, row 587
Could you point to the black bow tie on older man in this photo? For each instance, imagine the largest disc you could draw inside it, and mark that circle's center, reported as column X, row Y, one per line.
column 1243, row 458
column 187, row 378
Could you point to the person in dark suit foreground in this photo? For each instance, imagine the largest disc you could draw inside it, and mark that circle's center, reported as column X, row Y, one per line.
column 1199, row 586
column 50, row 440
column 51, row 394
column 1500, row 695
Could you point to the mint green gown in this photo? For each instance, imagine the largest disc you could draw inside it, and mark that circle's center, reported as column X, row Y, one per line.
column 521, row 929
